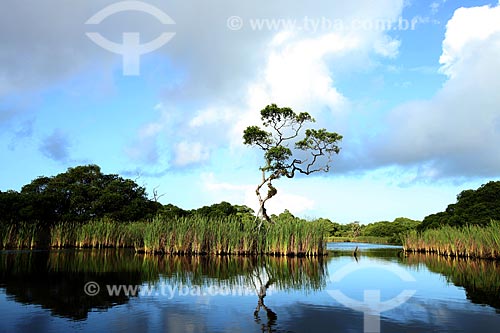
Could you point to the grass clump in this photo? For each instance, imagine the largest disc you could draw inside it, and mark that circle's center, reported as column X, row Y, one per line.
column 191, row 235
column 470, row 241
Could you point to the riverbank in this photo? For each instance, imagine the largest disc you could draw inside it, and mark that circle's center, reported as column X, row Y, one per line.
column 361, row 239
column 195, row 235
column 465, row 242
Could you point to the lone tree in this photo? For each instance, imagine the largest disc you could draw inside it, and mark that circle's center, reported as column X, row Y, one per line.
column 311, row 153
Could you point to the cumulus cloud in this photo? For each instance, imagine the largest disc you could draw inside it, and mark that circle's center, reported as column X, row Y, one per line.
column 56, row 146
column 455, row 133
column 222, row 77
column 248, row 69
column 468, row 28
column 44, row 42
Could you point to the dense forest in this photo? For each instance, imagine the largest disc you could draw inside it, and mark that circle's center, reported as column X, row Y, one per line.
column 473, row 207
column 84, row 193
column 469, row 228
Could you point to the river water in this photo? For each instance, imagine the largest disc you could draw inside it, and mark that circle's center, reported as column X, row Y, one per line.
column 379, row 290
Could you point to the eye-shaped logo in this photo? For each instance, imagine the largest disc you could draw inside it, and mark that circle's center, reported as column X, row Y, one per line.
column 131, row 49
column 371, row 306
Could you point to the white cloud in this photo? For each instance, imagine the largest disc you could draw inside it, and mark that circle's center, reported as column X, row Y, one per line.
column 468, row 28
column 387, row 47
column 299, row 73
column 187, row 153
column 208, row 63
column 210, row 116
column 256, row 68
column 456, row 132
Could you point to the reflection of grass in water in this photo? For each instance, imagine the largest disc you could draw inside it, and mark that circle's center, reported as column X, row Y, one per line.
column 295, row 273
column 183, row 235
column 466, row 242
column 480, row 278
column 480, row 274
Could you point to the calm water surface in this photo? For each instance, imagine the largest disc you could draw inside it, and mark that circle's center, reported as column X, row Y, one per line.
column 85, row 291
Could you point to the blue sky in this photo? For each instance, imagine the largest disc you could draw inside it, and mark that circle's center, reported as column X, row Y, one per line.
column 418, row 106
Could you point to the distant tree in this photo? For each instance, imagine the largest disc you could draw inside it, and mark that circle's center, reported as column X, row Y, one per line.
column 391, row 230
column 475, row 207
column 355, row 229
column 83, row 193
column 172, row 211
column 11, row 203
column 282, row 126
column 332, row 228
column 219, row 210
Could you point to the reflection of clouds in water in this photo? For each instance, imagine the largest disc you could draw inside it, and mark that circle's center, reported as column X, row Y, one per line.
column 183, row 322
column 311, row 318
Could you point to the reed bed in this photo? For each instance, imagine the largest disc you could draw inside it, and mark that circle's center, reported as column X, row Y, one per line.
column 19, row 236
column 103, row 233
column 466, row 242
column 194, row 235
column 200, row 235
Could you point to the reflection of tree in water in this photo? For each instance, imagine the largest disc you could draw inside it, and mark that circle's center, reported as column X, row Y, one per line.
column 283, row 273
column 479, row 278
column 55, row 279
column 262, row 293
column 28, row 279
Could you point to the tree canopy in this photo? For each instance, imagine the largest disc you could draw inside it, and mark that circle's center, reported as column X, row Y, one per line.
column 80, row 194
column 474, row 207
column 286, row 152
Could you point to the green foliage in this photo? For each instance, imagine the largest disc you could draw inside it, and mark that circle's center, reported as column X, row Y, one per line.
column 377, row 232
column 292, row 235
column 194, row 234
column 281, row 127
column 470, row 241
column 254, row 135
column 391, row 230
column 319, row 140
column 171, row 211
column 474, row 207
column 80, row 194
column 223, row 209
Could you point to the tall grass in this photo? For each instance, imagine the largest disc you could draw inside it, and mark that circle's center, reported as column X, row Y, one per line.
column 200, row 235
column 97, row 234
column 466, row 242
column 184, row 235
column 19, row 236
